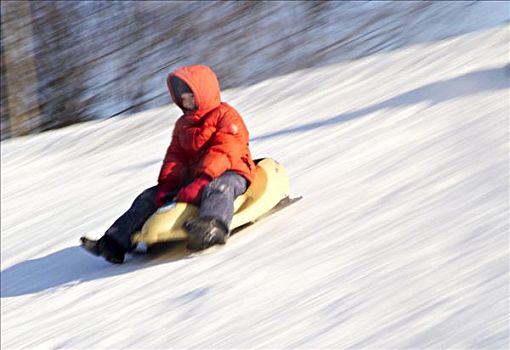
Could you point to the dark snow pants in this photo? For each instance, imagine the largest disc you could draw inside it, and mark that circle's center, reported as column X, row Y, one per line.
column 217, row 201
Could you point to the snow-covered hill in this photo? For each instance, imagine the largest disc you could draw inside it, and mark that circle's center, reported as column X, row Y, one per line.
column 401, row 240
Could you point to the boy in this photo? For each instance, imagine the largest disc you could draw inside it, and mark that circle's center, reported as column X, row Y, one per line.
column 208, row 163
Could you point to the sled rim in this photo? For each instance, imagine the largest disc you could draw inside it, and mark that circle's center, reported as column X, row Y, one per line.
column 269, row 187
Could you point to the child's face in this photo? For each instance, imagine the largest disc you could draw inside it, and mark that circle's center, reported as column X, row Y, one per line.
column 188, row 100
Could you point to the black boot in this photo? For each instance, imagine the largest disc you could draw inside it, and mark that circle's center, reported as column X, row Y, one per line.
column 106, row 247
column 205, row 232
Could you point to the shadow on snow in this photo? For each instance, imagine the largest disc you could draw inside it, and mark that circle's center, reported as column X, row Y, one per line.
column 434, row 93
column 71, row 266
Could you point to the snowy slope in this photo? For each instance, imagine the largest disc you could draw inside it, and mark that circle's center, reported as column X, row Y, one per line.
column 401, row 240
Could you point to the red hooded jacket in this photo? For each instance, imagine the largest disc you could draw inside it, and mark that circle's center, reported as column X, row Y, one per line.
column 211, row 139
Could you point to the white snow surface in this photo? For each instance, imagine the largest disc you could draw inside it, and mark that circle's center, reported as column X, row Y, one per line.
column 401, row 240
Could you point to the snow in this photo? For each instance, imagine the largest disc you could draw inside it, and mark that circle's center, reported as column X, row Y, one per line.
column 401, row 239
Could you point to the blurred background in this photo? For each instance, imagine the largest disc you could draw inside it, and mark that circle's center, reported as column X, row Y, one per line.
column 392, row 119
column 65, row 62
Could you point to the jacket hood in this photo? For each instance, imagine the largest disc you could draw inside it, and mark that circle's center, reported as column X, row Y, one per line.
column 202, row 82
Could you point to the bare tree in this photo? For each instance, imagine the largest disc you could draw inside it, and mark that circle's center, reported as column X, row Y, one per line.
column 19, row 67
column 59, row 62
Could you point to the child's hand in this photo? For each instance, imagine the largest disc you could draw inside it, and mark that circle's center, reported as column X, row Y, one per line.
column 163, row 195
column 191, row 193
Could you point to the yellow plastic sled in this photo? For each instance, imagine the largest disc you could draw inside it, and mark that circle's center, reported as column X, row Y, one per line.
column 269, row 188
